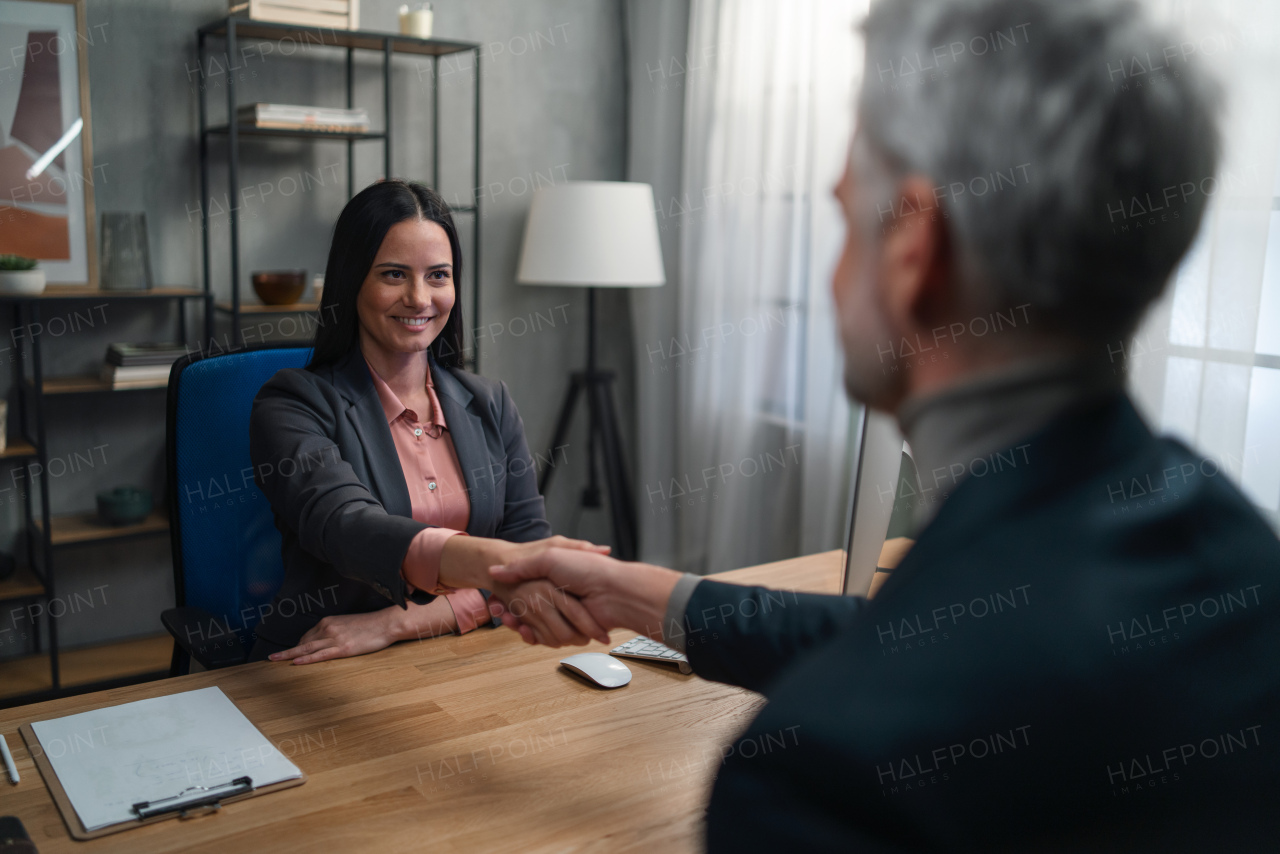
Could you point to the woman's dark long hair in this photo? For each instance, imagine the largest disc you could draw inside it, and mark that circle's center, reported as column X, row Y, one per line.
column 358, row 235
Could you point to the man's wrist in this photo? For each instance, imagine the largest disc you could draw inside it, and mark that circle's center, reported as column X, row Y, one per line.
column 639, row 593
column 673, row 619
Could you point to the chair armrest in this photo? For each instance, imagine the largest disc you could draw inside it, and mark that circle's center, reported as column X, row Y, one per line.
column 204, row 637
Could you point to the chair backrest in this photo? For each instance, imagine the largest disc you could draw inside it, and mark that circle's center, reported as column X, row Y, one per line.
column 226, row 549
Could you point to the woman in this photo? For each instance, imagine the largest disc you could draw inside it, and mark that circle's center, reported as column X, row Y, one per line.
column 383, row 450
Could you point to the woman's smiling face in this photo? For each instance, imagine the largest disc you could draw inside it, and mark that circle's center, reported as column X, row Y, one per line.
column 406, row 298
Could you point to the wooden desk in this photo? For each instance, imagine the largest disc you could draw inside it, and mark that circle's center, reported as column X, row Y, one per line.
column 472, row 743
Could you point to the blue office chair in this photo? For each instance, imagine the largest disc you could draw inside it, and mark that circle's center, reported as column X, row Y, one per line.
column 226, row 549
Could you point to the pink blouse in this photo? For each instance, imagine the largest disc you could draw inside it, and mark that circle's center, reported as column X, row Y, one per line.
column 437, row 494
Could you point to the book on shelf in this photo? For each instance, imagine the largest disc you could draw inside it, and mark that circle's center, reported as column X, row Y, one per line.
column 131, row 355
column 140, row 365
column 139, row 376
column 299, row 117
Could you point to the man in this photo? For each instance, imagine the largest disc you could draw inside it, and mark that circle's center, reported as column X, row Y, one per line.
column 1055, row 665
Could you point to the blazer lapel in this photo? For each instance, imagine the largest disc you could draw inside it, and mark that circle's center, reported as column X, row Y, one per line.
column 364, row 413
column 467, row 432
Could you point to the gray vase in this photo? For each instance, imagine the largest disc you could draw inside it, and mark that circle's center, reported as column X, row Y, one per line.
column 125, row 256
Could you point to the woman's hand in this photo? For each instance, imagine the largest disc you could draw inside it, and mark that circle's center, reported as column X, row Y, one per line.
column 345, row 635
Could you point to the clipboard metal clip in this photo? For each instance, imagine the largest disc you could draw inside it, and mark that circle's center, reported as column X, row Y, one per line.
column 194, row 800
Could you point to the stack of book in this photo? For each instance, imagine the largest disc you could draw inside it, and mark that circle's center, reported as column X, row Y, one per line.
column 295, row 117
column 140, row 365
column 334, row 14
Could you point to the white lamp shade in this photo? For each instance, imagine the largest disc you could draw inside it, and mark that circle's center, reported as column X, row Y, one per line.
column 594, row 234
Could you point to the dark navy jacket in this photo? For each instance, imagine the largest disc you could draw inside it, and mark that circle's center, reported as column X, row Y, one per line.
column 1080, row 653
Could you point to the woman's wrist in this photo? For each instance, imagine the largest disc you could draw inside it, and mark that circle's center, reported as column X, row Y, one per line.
column 465, row 561
column 399, row 622
column 420, row 621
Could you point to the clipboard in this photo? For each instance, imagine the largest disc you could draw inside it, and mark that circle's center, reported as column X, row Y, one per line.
column 72, row 820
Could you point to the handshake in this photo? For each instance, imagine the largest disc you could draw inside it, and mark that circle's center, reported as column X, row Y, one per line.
column 559, row 591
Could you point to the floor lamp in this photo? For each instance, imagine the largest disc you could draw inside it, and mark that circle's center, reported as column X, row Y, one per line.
column 595, row 234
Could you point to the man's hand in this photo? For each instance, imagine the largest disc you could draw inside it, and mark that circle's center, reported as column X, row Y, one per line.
column 614, row 594
column 551, row 616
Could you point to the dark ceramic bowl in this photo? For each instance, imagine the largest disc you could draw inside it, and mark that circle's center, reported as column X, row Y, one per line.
column 124, row 505
column 281, row 287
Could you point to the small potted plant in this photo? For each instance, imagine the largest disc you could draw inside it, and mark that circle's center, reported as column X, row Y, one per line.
column 20, row 276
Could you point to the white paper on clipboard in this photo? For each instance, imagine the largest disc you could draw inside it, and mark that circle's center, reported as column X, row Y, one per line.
column 109, row 759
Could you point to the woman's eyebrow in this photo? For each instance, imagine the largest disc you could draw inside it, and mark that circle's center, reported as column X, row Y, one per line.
column 397, row 265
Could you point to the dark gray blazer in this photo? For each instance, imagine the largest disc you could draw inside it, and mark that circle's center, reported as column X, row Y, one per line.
column 323, row 455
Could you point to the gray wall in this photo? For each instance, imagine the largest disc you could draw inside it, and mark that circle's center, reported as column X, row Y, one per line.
column 554, row 99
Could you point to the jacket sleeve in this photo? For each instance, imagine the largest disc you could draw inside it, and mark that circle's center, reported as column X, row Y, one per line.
column 317, row 494
column 524, row 514
column 745, row 636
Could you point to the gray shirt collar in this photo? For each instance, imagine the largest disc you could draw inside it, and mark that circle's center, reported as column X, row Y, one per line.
column 954, row 433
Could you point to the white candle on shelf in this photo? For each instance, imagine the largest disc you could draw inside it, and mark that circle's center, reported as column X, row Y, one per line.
column 418, row 22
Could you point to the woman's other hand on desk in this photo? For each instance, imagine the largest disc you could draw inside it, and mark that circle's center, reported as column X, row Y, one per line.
column 345, row 635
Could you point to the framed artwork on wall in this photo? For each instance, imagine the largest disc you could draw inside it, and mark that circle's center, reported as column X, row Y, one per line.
column 46, row 151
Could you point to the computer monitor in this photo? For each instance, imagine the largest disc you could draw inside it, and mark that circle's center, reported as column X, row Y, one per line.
column 877, row 463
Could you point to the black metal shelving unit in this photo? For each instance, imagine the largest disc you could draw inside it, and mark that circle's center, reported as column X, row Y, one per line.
column 47, row 534
column 231, row 30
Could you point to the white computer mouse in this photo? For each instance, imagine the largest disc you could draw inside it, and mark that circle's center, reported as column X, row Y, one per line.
column 599, row 669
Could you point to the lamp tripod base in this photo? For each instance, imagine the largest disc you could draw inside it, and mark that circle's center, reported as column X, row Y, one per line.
column 602, row 433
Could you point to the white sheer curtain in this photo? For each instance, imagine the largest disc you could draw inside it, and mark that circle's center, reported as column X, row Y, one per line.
column 744, row 425
column 747, row 378
column 1205, row 366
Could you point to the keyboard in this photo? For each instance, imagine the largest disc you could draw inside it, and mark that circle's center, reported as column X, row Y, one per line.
column 651, row 650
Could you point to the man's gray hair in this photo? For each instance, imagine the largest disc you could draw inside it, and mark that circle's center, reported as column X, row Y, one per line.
column 1073, row 173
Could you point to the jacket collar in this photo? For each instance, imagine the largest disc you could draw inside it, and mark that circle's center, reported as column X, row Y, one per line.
column 973, row 419
column 351, row 378
column 353, row 381
column 1028, row 475
column 448, row 384
column 393, row 407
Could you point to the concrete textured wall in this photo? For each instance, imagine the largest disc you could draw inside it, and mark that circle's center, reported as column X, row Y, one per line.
column 554, row 99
